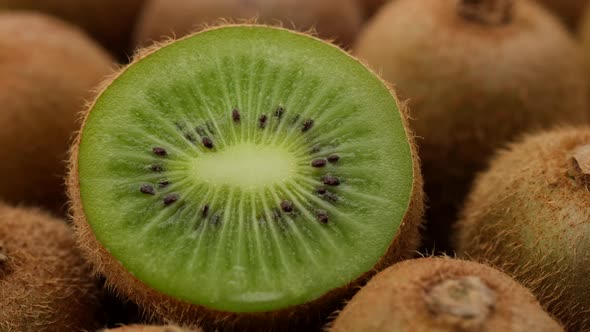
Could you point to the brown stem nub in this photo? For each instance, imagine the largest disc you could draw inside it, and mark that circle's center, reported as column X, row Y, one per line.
column 492, row 12
column 579, row 166
column 463, row 303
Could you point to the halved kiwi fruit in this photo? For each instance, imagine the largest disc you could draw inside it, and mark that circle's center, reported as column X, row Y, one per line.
column 245, row 174
column 45, row 285
column 477, row 73
column 338, row 20
column 529, row 215
column 443, row 295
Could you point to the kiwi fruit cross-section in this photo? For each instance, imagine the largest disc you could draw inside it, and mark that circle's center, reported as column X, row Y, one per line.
column 45, row 285
column 109, row 21
column 477, row 74
column 244, row 172
column 443, row 295
column 151, row 328
column 41, row 94
column 529, row 214
column 338, row 20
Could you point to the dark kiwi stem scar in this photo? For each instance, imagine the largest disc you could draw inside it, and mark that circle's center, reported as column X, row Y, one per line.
column 287, row 206
column 318, row 163
column 160, row 151
column 579, row 166
column 490, row 12
column 307, row 125
column 333, row 158
column 235, row 115
column 171, row 198
column 205, row 211
column 262, row 121
column 147, row 189
column 207, row 142
column 331, row 180
column 322, row 216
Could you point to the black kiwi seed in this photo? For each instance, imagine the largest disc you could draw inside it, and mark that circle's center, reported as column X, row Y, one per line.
column 207, row 142
column 318, row 163
column 235, row 115
column 171, row 198
column 307, row 124
column 331, row 180
column 190, row 137
column 156, row 168
column 287, row 206
column 147, row 189
column 262, row 121
column 163, row 184
column 321, row 190
column 333, row 158
column 205, row 211
column 279, row 112
column 160, row 151
column 322, row 216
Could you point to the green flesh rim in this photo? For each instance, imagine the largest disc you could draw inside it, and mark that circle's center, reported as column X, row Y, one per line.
column 245, row 253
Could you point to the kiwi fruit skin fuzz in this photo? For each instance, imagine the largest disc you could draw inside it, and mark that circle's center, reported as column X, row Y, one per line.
column 45, row 285
column 111, row 22
column 529, row 215
column 476, row 75
column 443, row 295
column 42, row 93
column 166, row 307
column 152, row 328
column 338, row 20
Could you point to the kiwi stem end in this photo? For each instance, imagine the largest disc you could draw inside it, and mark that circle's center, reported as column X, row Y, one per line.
column 464, row 302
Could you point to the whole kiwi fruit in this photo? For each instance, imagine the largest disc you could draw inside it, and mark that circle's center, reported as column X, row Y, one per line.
column 48, row 69
column 45, row 285
column 529, row 215
column 338, row 20
column 443, row 295
column 111, row 22
column 476, row 74
column 246, row 177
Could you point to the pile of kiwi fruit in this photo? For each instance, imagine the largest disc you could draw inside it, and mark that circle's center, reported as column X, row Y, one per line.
column 295, row 165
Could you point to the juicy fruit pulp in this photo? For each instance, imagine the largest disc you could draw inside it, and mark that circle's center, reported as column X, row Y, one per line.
column 246, row 169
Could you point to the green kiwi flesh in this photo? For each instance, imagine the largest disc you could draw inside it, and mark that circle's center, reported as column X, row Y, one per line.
column 529, row 215
column 245, row 169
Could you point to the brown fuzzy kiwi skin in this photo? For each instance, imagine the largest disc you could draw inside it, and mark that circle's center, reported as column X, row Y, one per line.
column 152, row 328
column 402, row 298
column 109, row 21
column 42, row 92
column 569, row 11
column 338, row 20
column 45, row 285
column 372, row 6
column 472, row 87
column 160, row 307
column 529, row 215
